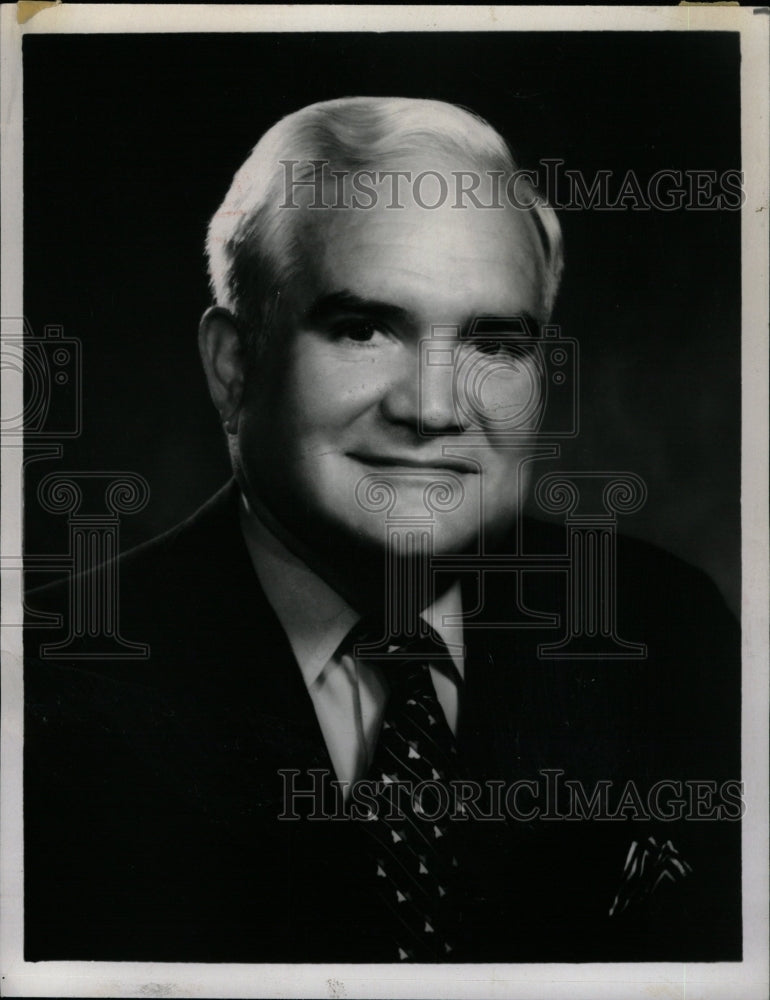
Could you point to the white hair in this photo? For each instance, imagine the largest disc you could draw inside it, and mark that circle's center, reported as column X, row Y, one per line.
column 253, row 253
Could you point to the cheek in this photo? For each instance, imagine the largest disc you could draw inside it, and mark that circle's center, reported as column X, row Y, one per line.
column 326, row 390
column 290, row 400
column 501, row 395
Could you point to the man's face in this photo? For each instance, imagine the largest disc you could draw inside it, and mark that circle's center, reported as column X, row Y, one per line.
column 343, row 398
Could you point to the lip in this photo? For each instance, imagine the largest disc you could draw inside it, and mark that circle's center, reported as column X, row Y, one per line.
column 407, row 463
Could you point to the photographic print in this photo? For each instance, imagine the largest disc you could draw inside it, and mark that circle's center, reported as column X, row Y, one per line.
column 384, row 546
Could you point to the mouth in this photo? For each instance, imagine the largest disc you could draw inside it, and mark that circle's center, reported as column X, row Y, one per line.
column 404, row 463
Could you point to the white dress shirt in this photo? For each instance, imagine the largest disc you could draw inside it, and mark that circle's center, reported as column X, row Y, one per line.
column 348, row 695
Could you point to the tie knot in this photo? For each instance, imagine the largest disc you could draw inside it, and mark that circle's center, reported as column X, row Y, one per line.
column 401, row 656
column 371, row 638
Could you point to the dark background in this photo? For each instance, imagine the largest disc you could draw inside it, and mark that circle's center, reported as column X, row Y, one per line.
column 131, row 143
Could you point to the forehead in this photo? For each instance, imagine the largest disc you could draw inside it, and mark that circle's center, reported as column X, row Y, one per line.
column 442, row 264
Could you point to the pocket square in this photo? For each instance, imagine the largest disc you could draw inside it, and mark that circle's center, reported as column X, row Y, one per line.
column 647, row 866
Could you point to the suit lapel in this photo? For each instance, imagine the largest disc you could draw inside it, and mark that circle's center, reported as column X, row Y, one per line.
column 506, row 717
column 241, row 682
column 486, row 718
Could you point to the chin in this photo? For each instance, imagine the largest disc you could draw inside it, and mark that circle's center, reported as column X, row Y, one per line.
column 418, row 539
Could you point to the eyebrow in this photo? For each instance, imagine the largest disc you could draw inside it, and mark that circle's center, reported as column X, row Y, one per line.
column 327, row 306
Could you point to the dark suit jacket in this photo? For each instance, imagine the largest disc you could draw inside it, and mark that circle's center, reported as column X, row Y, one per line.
column 152, row 787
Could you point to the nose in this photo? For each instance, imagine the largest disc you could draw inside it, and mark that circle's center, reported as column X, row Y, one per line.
column 422, row 393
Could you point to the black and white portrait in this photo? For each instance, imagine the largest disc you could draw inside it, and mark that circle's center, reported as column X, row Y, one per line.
column 379, row 470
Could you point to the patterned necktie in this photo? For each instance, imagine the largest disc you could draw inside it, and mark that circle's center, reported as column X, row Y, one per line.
column 412, row 839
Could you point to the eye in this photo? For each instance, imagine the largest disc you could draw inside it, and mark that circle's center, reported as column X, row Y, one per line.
column 507, row 349
column 501, row 349
column 358, row 330
column 491, row 347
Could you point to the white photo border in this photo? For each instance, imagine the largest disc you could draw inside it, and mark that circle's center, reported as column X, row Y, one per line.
column 747, row 979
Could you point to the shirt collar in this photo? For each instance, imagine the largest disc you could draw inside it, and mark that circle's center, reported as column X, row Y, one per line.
column 313, row 615
column 315, row 618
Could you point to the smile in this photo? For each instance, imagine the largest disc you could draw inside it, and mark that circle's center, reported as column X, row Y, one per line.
column 405, row 463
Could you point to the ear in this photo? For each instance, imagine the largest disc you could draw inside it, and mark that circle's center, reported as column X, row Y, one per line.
column 223, row 361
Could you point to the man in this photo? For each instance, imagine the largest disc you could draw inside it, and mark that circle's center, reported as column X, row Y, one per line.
column 227, row 799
